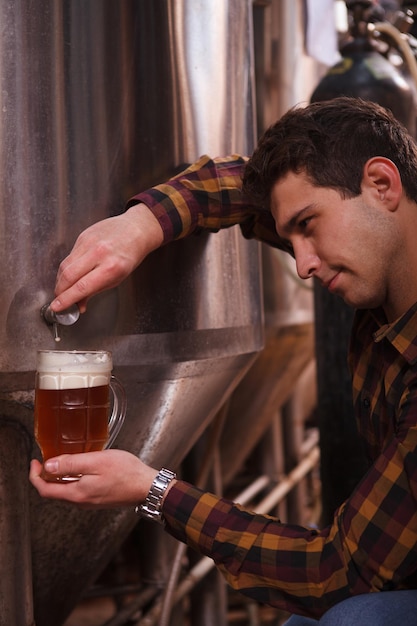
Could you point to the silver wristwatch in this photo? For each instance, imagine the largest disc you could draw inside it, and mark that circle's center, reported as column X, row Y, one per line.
column 151, row 507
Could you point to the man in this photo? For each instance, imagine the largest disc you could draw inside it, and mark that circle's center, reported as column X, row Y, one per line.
column 340, row 181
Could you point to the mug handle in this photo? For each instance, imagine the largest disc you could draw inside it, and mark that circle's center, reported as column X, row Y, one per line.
column 118, row 414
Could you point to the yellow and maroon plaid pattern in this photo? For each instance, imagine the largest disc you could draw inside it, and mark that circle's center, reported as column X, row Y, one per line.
column 372, row 544
column 208, row 196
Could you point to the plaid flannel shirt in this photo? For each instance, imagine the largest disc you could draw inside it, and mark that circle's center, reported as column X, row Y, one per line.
column 371, row 545
column 208, row 196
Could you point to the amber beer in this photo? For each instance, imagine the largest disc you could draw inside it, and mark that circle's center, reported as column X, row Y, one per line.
column 72, row 401
column 71, row 420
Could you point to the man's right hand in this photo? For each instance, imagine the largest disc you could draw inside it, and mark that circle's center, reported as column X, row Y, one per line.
column 109, row 478
column 104, row 255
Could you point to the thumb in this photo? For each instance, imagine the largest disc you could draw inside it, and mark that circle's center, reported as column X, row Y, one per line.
column 56, row 465
column 68, row 464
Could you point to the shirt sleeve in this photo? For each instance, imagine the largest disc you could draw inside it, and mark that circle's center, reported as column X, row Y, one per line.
column 369, row 547
column 208, row 195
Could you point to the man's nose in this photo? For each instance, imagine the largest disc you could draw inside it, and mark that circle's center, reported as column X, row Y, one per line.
column 306, row 260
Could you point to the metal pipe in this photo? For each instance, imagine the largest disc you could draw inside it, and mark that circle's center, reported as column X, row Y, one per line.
column 401, row 42
column 288, row 483
column 253, row 489
column 16, row 602
column 123, row 616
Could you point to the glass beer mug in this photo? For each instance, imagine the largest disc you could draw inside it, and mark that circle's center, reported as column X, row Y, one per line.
column 73, row 411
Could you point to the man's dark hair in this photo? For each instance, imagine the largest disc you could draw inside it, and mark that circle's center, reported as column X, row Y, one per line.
column 330, row 142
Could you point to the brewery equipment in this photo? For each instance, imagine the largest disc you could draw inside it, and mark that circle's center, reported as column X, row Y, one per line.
column 63, row 318
column 366, row 71
column 100, row 100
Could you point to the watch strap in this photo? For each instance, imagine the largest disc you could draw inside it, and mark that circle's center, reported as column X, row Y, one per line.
column 151, row 508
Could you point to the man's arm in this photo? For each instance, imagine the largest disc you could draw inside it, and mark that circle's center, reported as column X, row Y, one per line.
column 207, row 195
column 369, row 547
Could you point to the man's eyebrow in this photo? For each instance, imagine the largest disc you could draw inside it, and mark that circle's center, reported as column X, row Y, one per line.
column 292, row 222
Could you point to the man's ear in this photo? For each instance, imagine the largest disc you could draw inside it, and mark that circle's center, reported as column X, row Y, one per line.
column 382, row 180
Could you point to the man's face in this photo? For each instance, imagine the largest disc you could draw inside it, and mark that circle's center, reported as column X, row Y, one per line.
column 344, row 243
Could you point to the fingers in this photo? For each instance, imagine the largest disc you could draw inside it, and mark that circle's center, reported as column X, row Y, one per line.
column 35, row 470
column 78, row 290
column 109, row 478
column 104, row 255
column 87, row 463
column 79, row 277
column 42, row 478
column 53, row 490
column 96, row 263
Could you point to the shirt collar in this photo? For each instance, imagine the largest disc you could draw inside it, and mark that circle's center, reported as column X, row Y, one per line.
column 402, row 333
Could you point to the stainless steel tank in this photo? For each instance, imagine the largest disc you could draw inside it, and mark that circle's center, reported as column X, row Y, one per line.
column 285, row 76
column 99, row 100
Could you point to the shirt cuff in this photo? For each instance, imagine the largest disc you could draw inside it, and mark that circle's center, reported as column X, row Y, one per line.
column 169, row 220
column 194, row 516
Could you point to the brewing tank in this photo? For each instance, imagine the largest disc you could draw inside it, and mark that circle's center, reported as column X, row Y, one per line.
column 98, row 101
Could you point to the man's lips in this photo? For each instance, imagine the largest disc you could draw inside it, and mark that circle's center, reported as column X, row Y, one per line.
column 331, row 283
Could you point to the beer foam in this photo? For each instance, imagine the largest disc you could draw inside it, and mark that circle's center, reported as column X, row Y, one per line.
column 73, row 370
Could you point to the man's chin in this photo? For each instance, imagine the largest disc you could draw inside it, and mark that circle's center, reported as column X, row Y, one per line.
column 361, row 303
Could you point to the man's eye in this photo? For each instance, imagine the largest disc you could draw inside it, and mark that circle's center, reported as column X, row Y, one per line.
column 304, row 223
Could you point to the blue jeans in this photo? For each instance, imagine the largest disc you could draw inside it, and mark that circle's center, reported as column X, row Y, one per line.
column 387, row 608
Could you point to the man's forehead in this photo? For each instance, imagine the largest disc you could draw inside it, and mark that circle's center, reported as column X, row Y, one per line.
column 289, row 191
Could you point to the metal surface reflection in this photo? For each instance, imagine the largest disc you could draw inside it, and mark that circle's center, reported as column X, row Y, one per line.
column 98, row 100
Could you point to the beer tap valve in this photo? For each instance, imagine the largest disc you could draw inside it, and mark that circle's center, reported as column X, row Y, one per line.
column 62, row 318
